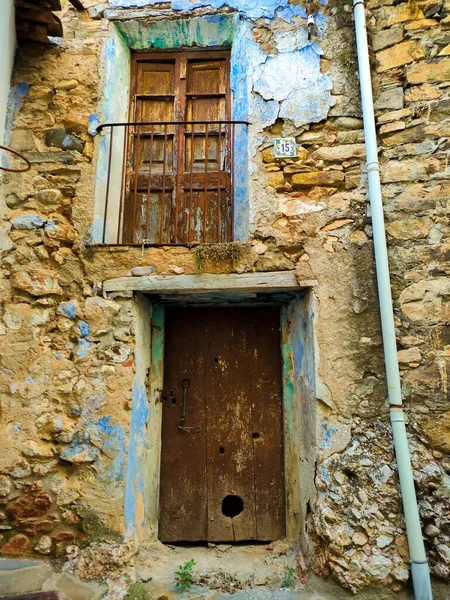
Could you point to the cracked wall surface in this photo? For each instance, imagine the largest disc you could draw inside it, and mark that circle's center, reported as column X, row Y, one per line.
column 71, row 385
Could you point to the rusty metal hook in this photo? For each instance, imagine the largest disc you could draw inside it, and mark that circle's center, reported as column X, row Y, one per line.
column 21, row 156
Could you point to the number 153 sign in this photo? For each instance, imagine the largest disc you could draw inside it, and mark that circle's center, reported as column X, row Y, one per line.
column 284, row 148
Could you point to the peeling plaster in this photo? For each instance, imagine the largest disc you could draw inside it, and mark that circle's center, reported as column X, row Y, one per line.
column 288, row 85
column 252, row 9
column 304, row 95
column 297, row 319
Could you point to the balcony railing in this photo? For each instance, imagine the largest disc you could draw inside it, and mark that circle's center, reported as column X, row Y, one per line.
column 169, row 183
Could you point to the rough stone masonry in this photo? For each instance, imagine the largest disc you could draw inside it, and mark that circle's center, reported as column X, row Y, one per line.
column 67, row 355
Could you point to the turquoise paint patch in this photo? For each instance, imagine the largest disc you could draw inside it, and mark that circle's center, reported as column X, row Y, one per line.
column 208, row 31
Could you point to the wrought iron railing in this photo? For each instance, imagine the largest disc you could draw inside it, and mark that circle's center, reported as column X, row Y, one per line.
column 168, row 183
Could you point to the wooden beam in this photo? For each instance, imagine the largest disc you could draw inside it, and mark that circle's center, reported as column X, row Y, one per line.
column 77, row 4
column 276, row 281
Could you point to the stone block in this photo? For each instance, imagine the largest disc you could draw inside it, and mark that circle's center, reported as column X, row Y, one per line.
column 410, row 170
column 74, row 588
column 65, row 85
column 399, row 55
column 438, row 431
column 422, row 92
column 391, row 99
column 142, row 271
column 27, row 220
column 61, row 138
column 318, row 178
column 22, row 140
column 37, row 282
column 410, row 355
column 429, row 72
column 391, row 15
column 16, row 545
column 340, row 153
column 33, row 504
column 5, row 486
column 23, row 576
column 59, row 228
column 395, row 115
column 387, row 37
column 409, row 229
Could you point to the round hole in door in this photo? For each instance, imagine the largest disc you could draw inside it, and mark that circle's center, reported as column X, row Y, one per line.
column 222, row 450
column 256, row 436
column 232, row 506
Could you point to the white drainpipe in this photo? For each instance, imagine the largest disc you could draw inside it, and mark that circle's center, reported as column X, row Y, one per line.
column 419, row 564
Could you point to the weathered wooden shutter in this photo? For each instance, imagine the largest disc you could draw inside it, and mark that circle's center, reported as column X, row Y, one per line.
column 178, row 185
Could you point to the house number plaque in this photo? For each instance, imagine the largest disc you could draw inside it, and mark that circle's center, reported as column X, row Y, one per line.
column 284, row 148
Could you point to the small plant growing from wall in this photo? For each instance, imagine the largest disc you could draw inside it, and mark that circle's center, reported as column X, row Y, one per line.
column 213, row 255
column 184, row 574
column 289, row 578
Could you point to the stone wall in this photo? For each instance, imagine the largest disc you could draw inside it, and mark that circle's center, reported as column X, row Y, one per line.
column 67, row 360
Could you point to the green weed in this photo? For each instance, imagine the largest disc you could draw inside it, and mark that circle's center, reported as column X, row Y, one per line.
column 183, row 576
column 289, row 578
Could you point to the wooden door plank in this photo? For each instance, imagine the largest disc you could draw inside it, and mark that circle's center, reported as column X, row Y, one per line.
column 183, row 456
column 273, row 281
column 267, row 436
column 230, row 466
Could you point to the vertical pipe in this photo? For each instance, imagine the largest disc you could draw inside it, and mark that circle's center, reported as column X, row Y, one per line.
column 419, row 565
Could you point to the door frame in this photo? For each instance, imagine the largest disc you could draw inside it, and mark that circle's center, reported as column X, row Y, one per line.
column 141, row 501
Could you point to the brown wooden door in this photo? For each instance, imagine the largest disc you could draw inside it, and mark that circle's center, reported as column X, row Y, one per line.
column 178, row 184
column 222, row 475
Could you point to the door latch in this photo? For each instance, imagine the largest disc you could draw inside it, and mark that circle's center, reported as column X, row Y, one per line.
column 185, row 383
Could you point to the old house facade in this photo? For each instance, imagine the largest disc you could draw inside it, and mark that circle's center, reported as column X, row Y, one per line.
column 191, row 349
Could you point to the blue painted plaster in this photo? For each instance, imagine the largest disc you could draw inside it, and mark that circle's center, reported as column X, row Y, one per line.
column 28, row 221
column 80, row 451
column 16, row 428
column 114, row 446
column 94, row 122
column 84, row 329
column 288, row 85
column 83, row 348
column 139, row 418
column 16, row 96
column 327, row 436
column 68, row 309
column 252, row 9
